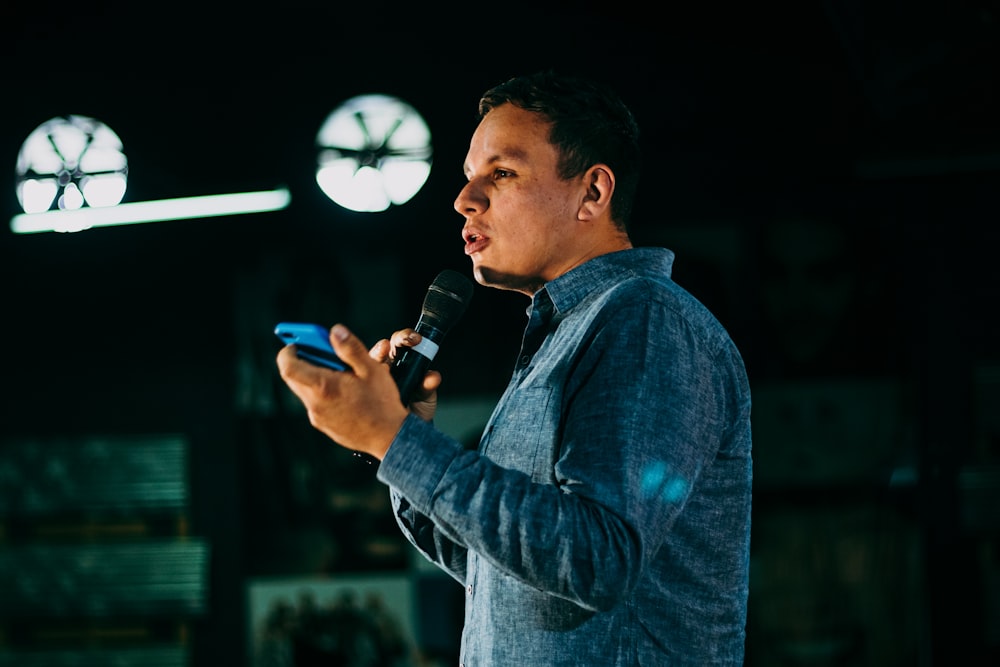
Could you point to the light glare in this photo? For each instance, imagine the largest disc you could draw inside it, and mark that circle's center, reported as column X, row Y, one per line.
column 71, row 197
column 103, row 189
column 37, row 194
column 151, row 211
column 403, row 178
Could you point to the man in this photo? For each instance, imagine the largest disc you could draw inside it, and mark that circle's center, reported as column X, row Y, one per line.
column 604, row 518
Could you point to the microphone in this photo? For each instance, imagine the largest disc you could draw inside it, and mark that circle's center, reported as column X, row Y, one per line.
column 445, row 303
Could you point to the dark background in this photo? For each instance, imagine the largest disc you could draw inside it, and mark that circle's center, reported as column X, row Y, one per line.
column 826, row 171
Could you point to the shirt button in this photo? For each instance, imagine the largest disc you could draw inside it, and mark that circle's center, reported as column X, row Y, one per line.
column 469, row 589
column 524, row 359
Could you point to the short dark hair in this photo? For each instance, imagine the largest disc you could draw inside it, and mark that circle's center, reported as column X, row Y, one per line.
column 590, row 124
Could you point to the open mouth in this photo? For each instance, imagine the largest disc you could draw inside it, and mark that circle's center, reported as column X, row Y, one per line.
column 475, row 242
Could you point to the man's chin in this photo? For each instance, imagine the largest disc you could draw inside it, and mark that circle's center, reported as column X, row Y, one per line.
column 490, row 277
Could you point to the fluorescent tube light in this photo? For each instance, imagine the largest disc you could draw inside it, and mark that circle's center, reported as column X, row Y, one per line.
column 151, row 211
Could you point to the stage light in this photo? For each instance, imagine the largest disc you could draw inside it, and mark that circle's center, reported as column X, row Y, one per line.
column 374, row 153
column 72, row 173
column 68, row 162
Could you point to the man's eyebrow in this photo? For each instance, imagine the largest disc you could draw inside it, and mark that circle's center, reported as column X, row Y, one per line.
column 512, row 155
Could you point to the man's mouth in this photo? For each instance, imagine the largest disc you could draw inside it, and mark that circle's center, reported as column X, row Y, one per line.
column 474, row 243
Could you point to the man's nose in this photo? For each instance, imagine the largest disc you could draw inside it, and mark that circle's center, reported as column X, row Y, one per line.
column 470, row 199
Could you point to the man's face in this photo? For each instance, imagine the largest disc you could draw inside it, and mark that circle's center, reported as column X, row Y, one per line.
column 518, row 212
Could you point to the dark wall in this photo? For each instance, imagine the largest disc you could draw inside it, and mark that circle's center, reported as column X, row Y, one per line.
column 826, row 173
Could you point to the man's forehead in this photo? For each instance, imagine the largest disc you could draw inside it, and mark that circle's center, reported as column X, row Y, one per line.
column 515, row 137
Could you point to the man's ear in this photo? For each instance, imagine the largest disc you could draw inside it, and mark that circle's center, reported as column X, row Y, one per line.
column 599, row 182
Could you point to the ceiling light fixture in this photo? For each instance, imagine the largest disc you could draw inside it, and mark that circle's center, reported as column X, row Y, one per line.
column 374, row 153
column 72, row 173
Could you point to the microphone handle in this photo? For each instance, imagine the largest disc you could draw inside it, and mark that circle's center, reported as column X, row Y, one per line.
column 411, row 366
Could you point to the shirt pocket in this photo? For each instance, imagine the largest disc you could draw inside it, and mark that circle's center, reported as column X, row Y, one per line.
column 523, row 433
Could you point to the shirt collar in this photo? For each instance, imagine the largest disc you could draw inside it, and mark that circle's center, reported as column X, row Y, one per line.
column 572, row 287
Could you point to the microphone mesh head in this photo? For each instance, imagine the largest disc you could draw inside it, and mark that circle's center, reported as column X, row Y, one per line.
column 446, row 300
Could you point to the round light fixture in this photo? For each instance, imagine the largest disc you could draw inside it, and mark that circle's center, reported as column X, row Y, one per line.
column 374, row 153
column 69, row 162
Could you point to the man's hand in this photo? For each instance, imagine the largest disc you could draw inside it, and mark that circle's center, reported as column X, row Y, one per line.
column 358, row 409
column 424, row 402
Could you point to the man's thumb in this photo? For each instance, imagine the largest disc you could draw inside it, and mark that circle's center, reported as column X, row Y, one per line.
column 347, row 346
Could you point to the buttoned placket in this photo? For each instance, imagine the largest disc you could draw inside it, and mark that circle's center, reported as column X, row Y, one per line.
column 539, row 318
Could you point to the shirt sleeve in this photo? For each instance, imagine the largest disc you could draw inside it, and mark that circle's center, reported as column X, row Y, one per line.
column 431, row 542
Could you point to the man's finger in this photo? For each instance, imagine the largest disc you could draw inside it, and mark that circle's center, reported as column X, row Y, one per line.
column 380, row 351
column 349, row 347
column 292, row 369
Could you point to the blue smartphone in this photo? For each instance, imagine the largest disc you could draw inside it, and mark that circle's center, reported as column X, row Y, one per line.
column 312, row 343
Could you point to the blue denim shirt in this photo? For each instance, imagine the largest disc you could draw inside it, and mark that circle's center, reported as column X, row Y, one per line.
column 604, row 519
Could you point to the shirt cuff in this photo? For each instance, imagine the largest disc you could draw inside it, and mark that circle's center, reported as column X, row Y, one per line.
column 416, row 460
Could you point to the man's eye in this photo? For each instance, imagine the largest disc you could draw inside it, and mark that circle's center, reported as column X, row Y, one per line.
column 501, row 173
